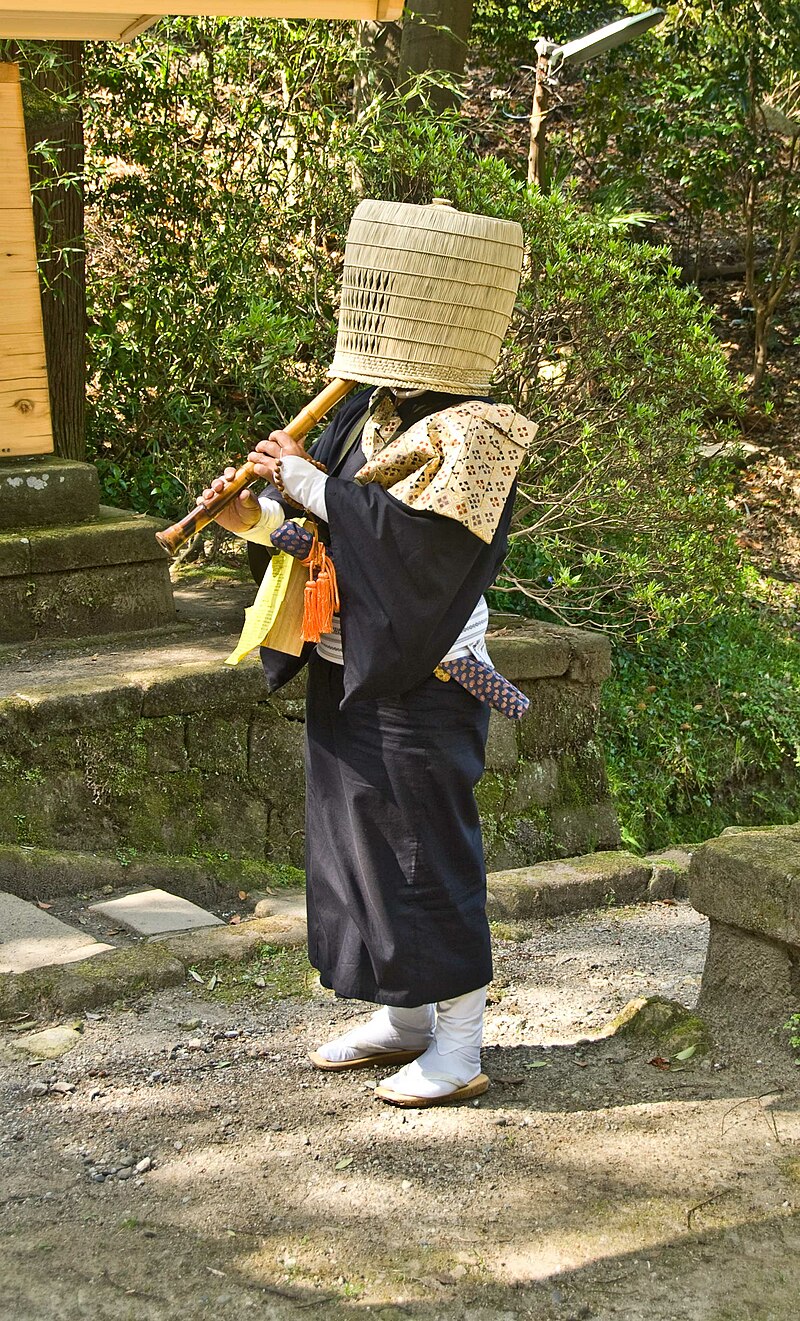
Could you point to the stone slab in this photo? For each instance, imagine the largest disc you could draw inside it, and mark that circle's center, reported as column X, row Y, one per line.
column 751, row 879
column 549, row 889
column 47, row 491
column 291, row 903
column 31, row 938
column 86, row 602
column 49, row 1044
column 114, row 537
column 154, row 912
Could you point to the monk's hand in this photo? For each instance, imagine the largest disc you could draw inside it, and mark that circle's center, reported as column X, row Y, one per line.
column 268, row 453
column 241, row 514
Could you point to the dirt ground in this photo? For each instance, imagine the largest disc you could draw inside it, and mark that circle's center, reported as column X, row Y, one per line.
column 586, row 1183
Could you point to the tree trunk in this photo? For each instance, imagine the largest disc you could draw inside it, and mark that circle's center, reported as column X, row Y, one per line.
column 379, row 62
column 435, row 34
column 763, row 323
column 53, row 113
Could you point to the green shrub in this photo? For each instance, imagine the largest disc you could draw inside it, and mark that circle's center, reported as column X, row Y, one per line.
column 702, row 729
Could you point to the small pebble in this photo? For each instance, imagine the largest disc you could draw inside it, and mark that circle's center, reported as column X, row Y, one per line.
column 37, row 1089
column 143, row 1165
column 125, row 1173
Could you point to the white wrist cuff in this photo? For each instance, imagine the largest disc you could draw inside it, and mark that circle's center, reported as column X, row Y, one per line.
column 305, row 484
column 272, row 515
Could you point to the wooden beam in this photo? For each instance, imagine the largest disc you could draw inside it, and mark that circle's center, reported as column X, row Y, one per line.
column 25, row 426
column 92, row 19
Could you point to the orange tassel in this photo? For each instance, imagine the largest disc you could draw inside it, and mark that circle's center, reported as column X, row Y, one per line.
column 321, row 597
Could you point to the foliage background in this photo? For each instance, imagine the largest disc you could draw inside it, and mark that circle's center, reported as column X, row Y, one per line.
column 225, row 158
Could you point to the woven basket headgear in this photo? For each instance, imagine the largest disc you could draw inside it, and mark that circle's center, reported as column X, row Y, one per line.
column 427, row 295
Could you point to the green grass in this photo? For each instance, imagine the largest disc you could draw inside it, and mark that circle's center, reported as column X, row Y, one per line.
column 272, row 974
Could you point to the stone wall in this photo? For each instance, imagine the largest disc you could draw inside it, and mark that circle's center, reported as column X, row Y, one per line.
column 186, row 756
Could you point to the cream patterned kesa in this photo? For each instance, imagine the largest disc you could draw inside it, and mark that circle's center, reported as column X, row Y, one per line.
column 460, row 462
column 427, row 296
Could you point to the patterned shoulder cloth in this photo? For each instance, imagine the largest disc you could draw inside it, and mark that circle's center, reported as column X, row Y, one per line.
column 460, row 462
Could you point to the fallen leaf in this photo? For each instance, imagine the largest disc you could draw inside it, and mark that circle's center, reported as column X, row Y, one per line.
column 235, row 920
column 212, row 981
column 243, row 894
column 40, row 904
column 686, row 1054
column 538, row 1064
column 658, row 1062
column 196, row 976
column 343, row 1163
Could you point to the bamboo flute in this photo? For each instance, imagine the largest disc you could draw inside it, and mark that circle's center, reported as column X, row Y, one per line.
column 172, row 538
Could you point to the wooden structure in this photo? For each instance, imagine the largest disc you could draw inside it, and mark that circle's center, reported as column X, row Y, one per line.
column 93, row 20
column 24, row 401
column 25, row 427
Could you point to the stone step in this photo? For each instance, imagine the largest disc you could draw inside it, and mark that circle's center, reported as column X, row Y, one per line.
column 154, row 912
column 107, row 575
column 32, row 938
column 47, row 491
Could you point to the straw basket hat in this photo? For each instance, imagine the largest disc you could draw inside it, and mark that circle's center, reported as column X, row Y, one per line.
column 427, row 295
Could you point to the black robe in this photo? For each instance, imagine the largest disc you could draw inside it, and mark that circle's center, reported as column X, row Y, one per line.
column 396, row 881
column 409, row 579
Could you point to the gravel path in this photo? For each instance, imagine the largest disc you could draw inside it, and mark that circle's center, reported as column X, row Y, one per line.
column 194, row 1165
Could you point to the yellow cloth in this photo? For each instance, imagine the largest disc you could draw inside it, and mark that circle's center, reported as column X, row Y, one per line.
column 262, row 615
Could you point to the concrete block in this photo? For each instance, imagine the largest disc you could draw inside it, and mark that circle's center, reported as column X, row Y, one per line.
column 115, row 537
column 562, row 715
column 552, row 888
column 750, row 983
column 585, row 828
column 501, row 743
column 15, row 555
column 201, row 686
column 670, row 879
column 287, row 903
column 537, row 785
column 32, row 938
column 49, row 490
column 751, row 879
column 153, row 912
column 591, row 656
column 536, row 653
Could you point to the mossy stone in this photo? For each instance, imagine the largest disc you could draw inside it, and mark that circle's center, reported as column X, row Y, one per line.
column 670, row 1025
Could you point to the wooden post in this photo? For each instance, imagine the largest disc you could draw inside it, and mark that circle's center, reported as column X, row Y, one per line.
column 24, row 398
column 536, row 155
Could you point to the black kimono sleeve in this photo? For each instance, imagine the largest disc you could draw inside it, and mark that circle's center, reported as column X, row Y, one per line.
column 408, row 581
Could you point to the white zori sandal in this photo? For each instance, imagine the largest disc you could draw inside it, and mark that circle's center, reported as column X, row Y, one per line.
column 450, row 1069
column 392, row 1036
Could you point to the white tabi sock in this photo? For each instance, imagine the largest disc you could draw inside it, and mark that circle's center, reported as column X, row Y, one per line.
column 389, row 1030
column 454, row 1056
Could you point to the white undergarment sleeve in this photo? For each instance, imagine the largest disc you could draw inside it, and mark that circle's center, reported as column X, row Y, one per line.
column 272, row 515
column 305, row 484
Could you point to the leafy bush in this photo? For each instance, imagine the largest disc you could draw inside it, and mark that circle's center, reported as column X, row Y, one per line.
column 212, row 206
column 702, row 729
column 512, row 27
